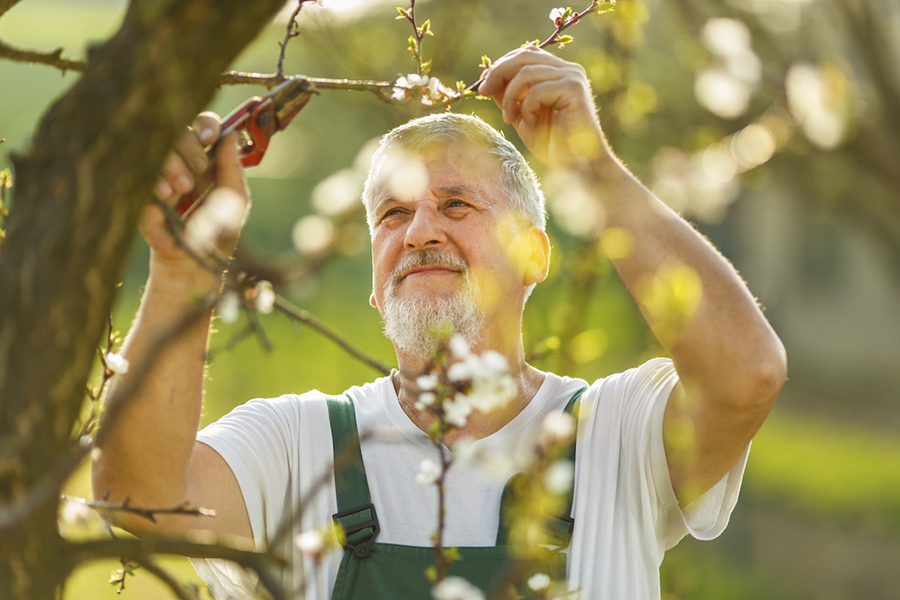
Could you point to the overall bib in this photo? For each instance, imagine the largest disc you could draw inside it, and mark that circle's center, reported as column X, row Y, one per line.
column 374, row 571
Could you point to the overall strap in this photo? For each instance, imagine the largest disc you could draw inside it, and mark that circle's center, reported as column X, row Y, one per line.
column 560, row 527
column 573, row 410
column 356, row 513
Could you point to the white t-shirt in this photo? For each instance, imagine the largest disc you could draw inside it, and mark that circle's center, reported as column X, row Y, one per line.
column 625, row 511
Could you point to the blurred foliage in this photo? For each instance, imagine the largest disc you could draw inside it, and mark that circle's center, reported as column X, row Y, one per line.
column 704, row 100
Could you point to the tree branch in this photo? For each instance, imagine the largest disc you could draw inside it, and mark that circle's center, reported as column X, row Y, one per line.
column 291, row 31
column 164, row 576
column 381, row 89
column 52, row 59
column 147, row 513
column 305, row 317
column 142, row 550
column 5, row 5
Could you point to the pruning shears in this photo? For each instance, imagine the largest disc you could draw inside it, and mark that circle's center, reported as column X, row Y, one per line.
column 256, row 121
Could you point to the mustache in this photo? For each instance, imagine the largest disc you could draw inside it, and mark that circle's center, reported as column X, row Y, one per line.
column 427, row 258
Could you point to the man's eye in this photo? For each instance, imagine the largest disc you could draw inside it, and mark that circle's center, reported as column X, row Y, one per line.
column 457, row 204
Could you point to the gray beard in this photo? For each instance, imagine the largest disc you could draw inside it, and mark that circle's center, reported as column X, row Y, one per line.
column 411, row 324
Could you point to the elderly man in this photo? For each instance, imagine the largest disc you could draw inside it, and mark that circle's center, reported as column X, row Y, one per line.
column 462, row 243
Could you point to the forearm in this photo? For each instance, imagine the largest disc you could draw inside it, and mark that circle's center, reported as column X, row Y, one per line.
column 146, row 454
column 692, row 298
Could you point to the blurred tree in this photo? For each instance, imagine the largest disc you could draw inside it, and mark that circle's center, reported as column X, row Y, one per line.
column 78, row 193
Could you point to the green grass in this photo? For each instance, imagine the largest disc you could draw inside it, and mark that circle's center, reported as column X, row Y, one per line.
column 827, row 469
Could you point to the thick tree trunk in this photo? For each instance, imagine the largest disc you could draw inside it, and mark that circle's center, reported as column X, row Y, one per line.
column 78, row 193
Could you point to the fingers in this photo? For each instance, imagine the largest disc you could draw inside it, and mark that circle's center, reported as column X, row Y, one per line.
column 539, row 85
column 229, row 170
column 188, row 160
column 516, row 77
column 207, row 126
column 505, row 69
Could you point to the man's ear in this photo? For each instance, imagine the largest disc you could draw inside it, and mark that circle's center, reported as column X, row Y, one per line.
column 538, row 264
column 372, row 301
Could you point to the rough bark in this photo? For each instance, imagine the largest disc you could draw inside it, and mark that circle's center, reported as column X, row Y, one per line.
column 78, row 194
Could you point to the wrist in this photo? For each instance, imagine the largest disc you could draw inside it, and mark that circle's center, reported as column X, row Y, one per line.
column 183, row 275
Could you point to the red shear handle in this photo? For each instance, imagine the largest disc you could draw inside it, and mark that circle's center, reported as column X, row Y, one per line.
column 255, row 119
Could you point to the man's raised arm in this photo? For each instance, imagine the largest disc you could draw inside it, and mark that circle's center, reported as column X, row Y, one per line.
column 730, row 362
column 150, row 456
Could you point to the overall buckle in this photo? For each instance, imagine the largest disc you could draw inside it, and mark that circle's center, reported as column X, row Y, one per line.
column 560, row 530
column 360, row 549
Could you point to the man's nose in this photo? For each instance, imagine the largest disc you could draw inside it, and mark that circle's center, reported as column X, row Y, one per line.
column 424, row 230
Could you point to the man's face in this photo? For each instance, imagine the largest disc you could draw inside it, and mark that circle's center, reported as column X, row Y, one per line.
column 442, row 232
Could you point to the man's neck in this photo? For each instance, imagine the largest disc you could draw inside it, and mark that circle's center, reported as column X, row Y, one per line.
column 478, row 425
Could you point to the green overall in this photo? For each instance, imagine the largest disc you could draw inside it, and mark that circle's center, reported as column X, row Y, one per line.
column 374, row 571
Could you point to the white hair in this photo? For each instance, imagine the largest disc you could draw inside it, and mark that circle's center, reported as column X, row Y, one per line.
column 517, row 180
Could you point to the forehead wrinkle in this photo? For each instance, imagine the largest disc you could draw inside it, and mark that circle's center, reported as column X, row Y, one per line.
column 457, row 190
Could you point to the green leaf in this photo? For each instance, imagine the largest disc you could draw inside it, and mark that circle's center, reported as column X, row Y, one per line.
column 431, row 573
column 564, row 39
column 404, row 14
column 452, row 554
column 426, row 28
column 426, row 67
column 603, row 6
column 485, row 61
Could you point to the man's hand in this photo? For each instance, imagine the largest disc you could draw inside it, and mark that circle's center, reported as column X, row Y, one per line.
column 549, row 102
column 181, row 169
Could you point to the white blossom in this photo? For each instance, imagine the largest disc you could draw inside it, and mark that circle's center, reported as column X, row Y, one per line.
column 417, row 80
column 220, row 214
column 556, row 14
column 429, row 471
column 491, row 393
column 229, row 307
column 456, row 588
column 539, row 581
column 459, row 347
column 76, row 513
column 560, row 477
column 457, row 410
column 437, row 92
column 557, row 429
column 427, row 398
column 427, row 382
column 492, row 386
column 117, row 363
column 310, row 542
column 265, row 297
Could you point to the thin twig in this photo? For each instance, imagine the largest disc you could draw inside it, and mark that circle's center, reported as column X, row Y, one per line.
column 381, row 89
column 142, row 551
column 598, row 6
column 52, row 59
column 169, row 580
column 176, row 230
column 257, row 328
column 305, row 317
column 291, row 31
column 232, row 342
column 147, row 513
